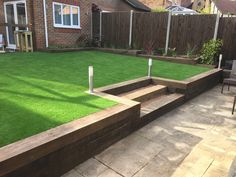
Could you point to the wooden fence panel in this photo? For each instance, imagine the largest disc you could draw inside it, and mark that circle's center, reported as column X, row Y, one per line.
column 192, row 31
column 115, row 29
column 96, row 25
column 227, row 32
column 149, row 28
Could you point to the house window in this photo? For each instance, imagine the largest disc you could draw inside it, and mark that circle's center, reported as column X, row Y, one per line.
column 66, row 16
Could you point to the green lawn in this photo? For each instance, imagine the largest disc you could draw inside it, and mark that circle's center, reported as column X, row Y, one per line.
column 39, row 91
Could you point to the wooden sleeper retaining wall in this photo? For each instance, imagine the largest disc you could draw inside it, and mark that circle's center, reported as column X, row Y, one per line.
column 56, row 151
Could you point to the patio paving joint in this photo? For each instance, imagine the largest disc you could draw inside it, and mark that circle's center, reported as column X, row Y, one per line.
column 108, row 167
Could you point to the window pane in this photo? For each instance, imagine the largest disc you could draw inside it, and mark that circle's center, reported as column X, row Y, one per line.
column 75, row 13
column 10, row 23
column 66, row 15
column 21, row 15
column 57, row 9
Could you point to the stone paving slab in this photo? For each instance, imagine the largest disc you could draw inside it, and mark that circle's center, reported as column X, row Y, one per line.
column 197, row 139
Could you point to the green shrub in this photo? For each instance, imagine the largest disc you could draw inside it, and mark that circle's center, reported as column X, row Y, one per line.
column 210, row 51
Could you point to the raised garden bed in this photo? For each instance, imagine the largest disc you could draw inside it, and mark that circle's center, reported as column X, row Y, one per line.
column 177, row 59
column 57, row 83
column 56, row 151
column 62, row 50
column 139, row 53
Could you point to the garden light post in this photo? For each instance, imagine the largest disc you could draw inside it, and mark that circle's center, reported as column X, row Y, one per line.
column 90, row 79
column 149, row 67
column 220, row 61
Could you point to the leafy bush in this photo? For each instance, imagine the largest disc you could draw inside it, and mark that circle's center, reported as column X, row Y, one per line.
column 210, row 51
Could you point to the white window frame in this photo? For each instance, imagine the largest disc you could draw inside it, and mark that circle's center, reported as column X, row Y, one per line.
column 14, row 3
column 71, row 16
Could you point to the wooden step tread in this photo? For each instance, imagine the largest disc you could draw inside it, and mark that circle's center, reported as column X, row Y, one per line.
column 145, row 93
column 156, row 103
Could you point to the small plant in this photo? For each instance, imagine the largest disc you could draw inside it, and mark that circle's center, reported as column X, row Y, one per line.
column 149, row 47
column 160, row 51
column 210, row 51
column 190, row 51
column 171, row 52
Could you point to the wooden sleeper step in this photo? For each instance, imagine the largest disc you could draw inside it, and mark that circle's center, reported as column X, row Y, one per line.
column 158, row 106
column 145, row 93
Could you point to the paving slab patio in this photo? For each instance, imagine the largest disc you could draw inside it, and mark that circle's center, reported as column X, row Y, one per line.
column 197, row 139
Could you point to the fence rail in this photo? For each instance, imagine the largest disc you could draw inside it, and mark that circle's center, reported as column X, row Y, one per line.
column 186, row 31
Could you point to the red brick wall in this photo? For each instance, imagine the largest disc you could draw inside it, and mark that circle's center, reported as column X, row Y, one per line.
column 60, row 36
column 57, row 36
column 2, row 20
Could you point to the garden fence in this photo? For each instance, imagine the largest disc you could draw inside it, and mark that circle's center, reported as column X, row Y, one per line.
column 140, row 30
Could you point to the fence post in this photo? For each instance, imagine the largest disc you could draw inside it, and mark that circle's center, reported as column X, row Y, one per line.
column 100, row 35
column 168, row 32
column 131, row 28
column 91, row 25
column 216, row 26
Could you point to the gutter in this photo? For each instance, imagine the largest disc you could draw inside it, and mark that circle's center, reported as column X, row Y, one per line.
column 45, row 22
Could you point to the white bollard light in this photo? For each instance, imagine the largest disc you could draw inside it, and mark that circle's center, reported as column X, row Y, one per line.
column 149, row 67
column 220, row 61
column 90, row 79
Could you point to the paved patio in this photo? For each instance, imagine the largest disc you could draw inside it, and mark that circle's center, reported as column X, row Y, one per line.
column 197, row 139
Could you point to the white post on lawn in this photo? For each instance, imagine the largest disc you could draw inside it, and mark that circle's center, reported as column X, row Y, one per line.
column 168, row 32
column 149, row 67
column 216, row 26
column 100, row 34
column 220, row 61
column 90, row 79
column 131, row 28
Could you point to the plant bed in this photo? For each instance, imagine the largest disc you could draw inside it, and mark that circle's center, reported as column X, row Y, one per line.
column 62, row 50
column 119, row 51
column 176, row 59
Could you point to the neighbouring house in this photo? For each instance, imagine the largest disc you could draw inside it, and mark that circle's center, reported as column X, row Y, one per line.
column 120, row 5
column 55, row 22
column 200, row 5
column 224, row 7
column 155, row 4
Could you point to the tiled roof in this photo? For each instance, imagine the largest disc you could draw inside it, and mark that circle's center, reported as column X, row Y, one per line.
column 226, row 6
column 138, row 5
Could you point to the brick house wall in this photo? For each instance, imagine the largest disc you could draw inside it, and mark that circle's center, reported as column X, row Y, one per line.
column 2, row 20
column 56, row 36
column 62, row 36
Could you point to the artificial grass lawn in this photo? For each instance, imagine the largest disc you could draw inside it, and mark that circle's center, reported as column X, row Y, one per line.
column 39, row 91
